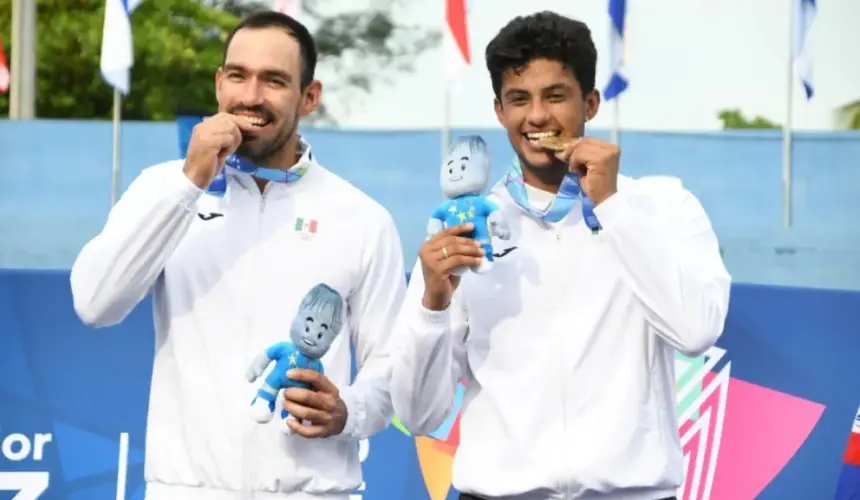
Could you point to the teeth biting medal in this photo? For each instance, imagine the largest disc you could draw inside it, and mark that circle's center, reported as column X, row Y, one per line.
column 554, row 142
column 254, row 121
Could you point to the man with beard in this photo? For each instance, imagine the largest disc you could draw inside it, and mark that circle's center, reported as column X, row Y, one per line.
column 567, row 345
column 229, row 241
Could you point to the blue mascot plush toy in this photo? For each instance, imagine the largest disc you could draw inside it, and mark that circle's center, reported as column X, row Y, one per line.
column 316, row 325
column 464, row 176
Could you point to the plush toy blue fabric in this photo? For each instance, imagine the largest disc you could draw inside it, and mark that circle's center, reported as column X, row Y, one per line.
column 464, row 177
column 314, row 328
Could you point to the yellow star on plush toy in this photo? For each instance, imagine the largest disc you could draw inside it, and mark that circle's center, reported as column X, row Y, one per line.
column 293, row 359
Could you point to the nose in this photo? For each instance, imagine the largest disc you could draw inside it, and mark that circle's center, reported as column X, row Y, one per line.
column 252, row 94
column 538, row 113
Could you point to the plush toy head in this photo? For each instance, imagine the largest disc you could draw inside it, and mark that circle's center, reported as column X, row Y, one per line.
column 318, row 321
column 466, row 168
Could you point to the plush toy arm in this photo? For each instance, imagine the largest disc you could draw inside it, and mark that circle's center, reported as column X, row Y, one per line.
column 498, row 225
column 262, row 360
column 433, row 227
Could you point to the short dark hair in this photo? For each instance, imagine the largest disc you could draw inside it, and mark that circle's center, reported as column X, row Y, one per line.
column 272, row 19
column 544, row 35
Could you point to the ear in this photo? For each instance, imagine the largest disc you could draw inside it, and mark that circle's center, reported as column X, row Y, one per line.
column 311, row 98
column 592, row 104
column 499, row 114
column 219, row 75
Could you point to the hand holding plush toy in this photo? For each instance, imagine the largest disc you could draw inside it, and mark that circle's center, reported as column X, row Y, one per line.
column 316, row 325
column 464, row 176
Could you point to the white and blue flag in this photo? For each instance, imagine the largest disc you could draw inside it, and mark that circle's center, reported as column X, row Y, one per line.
column 805, row 15
column 117, row 47
column 618, row 82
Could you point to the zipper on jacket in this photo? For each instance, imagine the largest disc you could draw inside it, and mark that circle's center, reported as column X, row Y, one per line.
column 565, row 446
column 249, row 475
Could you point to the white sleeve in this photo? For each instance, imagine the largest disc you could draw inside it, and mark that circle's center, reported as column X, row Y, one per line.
column 429, row 359
column 115, row 270
column 373, row 309
column 671, row 259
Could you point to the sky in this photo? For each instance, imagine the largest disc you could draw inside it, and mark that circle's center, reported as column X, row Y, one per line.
column 686, row 60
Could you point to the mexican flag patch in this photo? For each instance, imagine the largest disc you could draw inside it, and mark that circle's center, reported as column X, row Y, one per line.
column 306, row 227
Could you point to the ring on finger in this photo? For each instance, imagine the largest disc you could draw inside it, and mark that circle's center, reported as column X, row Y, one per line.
column 445, row 252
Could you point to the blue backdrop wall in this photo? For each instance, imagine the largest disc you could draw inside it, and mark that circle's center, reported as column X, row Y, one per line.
column 52, row 199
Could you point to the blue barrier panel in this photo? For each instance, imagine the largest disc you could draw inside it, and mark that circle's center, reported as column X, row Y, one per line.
column 765, row 415
column 45, row 219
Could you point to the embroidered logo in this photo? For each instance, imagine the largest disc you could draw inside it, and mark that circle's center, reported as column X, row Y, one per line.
column 209, row 216
column 306, row 227
column 504, row 252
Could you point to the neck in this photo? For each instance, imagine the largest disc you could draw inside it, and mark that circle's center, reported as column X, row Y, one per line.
column 546, row 178
column 287, row 157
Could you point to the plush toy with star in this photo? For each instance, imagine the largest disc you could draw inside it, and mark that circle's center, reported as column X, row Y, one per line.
column 464, row 176
column 314, row 328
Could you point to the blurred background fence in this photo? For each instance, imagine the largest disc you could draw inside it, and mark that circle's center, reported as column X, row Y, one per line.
column 56, row 174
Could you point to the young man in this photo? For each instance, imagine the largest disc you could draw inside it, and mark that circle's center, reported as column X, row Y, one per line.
column 567, row 345
column 229, row 254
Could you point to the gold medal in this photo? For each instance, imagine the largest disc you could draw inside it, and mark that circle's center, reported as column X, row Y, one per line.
column 554, row 142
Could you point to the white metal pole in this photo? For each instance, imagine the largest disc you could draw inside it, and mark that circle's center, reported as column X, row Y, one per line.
column 787, row 127
column 446, row 120
column 616, row 120
column 117, row 117
column 22, row 84
column 15, row 62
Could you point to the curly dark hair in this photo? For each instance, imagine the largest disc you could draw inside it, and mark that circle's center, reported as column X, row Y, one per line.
column 544, row 35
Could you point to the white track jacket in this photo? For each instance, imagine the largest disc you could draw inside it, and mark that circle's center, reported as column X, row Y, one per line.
column 567, row 347
column 227, row 276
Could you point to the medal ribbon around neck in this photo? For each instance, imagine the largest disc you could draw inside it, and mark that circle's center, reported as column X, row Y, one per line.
column 218, row 186
column 568, row 193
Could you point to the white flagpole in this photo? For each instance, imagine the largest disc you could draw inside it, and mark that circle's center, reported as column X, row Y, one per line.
column 446, row 120
column 117, row 110
column 446, row 82
column 616, row 120
column 787, row 127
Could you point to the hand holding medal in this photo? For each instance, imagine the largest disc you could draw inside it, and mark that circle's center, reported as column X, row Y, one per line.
column 594, row 161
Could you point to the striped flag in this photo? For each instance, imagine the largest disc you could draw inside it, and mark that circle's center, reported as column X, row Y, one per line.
column 618, row 81
column 456, row 38
column 805, row 13
column 848, row 487
column 4, row 70
column 306, row 227
column 117, row 55
column 292, row 8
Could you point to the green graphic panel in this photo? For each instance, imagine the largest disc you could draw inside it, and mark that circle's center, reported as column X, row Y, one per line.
column 685, row 371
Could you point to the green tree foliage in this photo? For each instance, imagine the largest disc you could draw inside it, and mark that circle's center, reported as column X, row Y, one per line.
column 178, row 44
column 848, row 115
column 734, row 119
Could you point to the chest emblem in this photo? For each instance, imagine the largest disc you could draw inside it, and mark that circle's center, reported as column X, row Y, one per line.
column 306, row 228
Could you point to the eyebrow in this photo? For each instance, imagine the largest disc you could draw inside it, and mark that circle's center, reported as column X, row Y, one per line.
column 269, row 73
column 555, row 87
column 463, row 158
column 515, row 92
